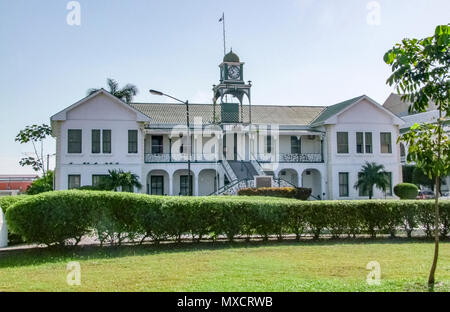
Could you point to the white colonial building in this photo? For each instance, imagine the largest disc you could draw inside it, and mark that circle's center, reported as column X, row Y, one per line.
column 228, row 145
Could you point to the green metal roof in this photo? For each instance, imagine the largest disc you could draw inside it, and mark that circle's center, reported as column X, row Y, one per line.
column 335, row 109
column 163, row 114
column 231, row 57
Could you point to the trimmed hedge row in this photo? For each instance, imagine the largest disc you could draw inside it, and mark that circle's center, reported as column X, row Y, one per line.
column 66, row 216
column 5, row 203
column 286, row 192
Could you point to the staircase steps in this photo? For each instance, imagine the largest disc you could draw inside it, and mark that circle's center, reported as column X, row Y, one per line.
column 243, row 169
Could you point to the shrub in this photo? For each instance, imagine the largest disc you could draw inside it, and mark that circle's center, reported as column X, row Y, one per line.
column 286, row 192
column 445, row 218
column 5, row 203
column 53, row 217
column 65, row 216
column 406, row 190
column 41, row 185
column 8, row 201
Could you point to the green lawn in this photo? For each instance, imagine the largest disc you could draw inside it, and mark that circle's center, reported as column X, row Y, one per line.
column 338, row 265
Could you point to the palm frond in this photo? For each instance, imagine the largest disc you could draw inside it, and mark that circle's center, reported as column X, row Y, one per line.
column 113, row 85
column 91, row 91
column 126, row 94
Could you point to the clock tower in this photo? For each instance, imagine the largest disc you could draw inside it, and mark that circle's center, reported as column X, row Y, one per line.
column 232, row 84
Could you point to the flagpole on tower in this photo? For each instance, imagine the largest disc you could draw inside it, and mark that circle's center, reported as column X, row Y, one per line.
column 222, row 19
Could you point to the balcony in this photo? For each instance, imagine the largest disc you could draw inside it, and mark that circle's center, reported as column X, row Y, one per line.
column 179, row 158
column 291, row 158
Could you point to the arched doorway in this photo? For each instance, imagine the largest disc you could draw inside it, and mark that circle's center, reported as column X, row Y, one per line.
column 208, row 182
column 181, row 184
column 158, row 182
column 290, row 175
column 311, row 178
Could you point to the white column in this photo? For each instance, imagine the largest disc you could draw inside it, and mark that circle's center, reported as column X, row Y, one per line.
column 299, row 174
column 3, row 230
column 221, row 180
column 323, row 185
column 171, row 184
column 195, row 183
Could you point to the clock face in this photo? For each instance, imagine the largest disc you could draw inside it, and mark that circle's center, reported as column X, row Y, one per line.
column 234, row 72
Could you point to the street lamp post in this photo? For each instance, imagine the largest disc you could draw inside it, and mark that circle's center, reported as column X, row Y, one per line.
column 154, row 92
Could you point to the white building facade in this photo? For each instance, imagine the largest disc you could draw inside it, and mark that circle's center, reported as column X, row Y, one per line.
column 228, row 145
column 430, row 116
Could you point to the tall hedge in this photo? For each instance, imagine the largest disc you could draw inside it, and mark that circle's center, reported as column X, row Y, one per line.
column 66, row 216
column 286, row 192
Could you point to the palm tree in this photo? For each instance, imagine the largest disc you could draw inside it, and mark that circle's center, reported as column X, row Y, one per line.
column 372, row 175
column 125, row 94
column 130, row 180
column 124, row 180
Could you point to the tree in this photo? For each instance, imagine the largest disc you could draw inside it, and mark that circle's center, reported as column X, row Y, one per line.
column 371, row 175
column 419, row 178
column 126, row 94
column 420, row 72
column 120, row 179
column 36, row 135
column 41, row 185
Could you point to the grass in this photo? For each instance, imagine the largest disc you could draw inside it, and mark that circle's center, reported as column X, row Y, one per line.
column 331, row 265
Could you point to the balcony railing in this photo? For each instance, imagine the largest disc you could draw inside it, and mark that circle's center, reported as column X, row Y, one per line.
column 291, row 158
column 182, row 157
column 263, row 158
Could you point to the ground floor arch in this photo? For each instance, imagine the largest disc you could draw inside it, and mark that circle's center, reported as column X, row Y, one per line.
column 181, row 184
column 311, row 178
column 290, row 175
column 158, row 182
column 208, row 182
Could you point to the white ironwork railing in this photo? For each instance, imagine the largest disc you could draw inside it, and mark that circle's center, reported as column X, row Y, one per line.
column 291, row 158
column 181, row 157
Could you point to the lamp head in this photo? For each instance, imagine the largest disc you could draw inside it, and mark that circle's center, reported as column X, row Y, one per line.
column 154, row 92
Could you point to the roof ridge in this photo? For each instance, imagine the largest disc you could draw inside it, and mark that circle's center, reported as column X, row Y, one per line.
column 334, row 109
column 253, row 105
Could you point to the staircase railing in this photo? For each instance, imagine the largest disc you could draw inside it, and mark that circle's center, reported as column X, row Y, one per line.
column 229, row 171
column 239, row 183
column 281, row 180
column 255, row 163
column 315, row 197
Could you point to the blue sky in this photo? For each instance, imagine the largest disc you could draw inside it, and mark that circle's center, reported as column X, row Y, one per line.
column 297, row 52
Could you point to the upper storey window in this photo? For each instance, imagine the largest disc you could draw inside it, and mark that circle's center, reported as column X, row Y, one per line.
column 361, row 138
column 368, row 142
column 132, row 141
column 105, row 143
column 95, row 141
column 385, row 140
column 157, row 144
column 74, row 141
column 342, row 142
column 295, row 145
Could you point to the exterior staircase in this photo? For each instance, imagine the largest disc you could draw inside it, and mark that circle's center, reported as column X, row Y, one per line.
column 243, row 175
column 243, row 170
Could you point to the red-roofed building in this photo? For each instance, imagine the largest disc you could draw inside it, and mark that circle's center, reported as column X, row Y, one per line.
column 15, row 184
